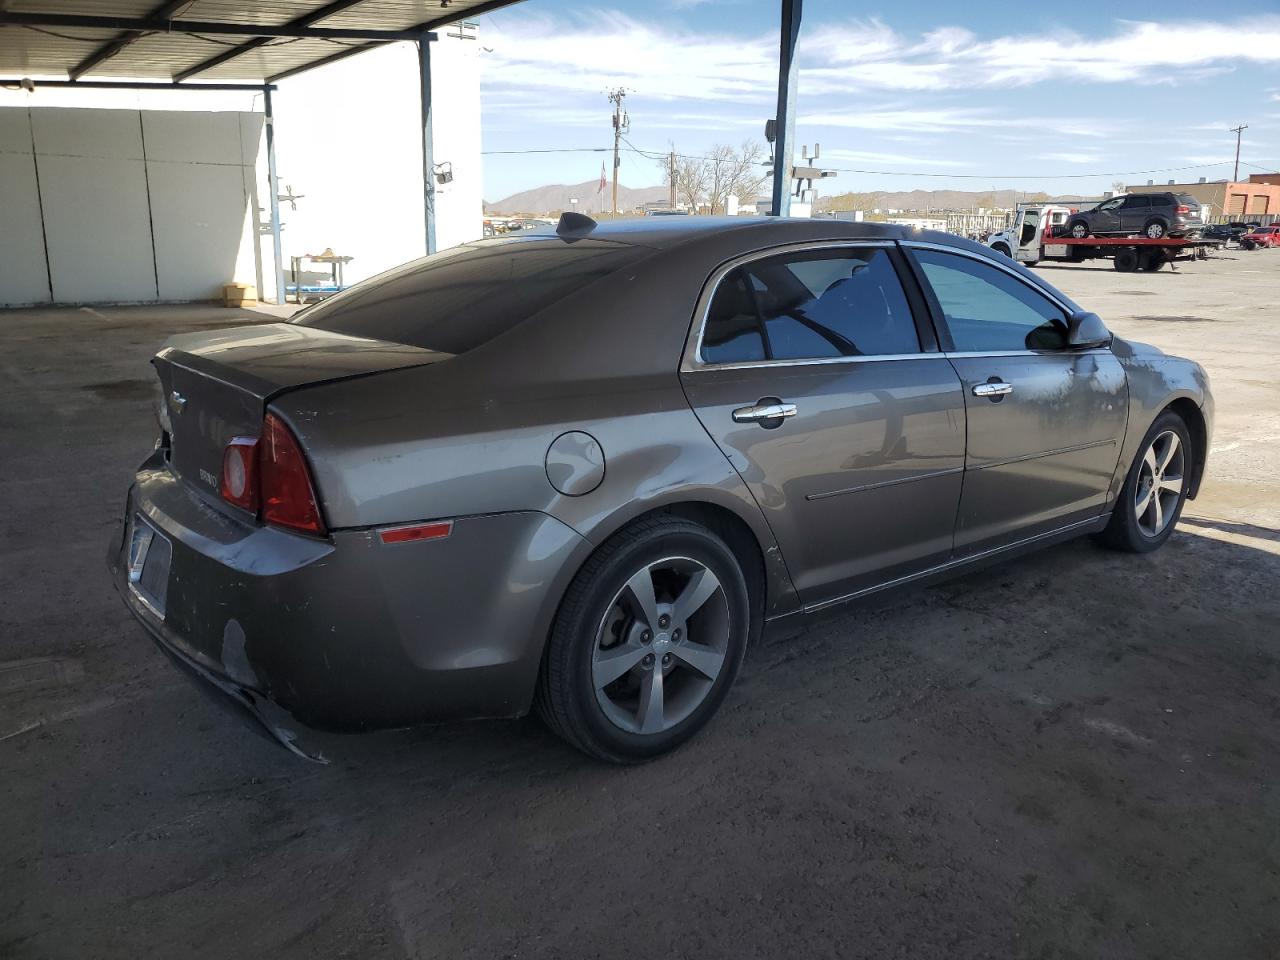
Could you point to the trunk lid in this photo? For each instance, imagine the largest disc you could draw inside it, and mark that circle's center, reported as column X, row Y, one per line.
column 216, row 386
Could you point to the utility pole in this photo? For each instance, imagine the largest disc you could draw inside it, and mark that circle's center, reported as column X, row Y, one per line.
column 1235, row 176
column 671, row 179
column 621, row 124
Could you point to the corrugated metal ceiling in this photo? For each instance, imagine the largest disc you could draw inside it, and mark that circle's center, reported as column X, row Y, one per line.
column 53, row 51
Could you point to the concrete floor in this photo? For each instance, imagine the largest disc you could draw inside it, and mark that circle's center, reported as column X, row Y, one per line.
column 1073, row 755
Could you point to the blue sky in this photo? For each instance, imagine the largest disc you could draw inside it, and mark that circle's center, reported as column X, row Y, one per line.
column 1061, row 97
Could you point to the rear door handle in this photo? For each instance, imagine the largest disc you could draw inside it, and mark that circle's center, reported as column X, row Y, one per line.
column 768, row 408
column 997, row 388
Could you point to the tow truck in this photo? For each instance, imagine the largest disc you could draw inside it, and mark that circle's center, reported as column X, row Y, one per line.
column 1034, row 236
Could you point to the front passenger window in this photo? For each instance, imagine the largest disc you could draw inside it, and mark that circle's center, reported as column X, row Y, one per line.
column 987, row 310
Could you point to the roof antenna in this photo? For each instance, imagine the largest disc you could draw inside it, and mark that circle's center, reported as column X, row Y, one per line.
column 574, row 226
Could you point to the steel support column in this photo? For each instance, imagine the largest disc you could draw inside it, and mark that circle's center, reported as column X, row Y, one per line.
column 785, row 119
column 428, row 150
column 273, row 184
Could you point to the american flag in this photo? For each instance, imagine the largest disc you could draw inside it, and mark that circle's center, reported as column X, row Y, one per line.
column 603, row 183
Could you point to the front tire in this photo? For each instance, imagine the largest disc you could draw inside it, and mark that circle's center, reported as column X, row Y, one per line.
column 1151, row 500
column 648, row 640
column 1078, row 229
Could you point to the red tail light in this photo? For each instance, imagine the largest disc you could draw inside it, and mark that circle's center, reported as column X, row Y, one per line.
column 1183, row 209
column 288, row 496
column 240, row 473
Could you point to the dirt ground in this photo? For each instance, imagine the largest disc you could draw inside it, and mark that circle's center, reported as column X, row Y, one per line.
column 1074, row 755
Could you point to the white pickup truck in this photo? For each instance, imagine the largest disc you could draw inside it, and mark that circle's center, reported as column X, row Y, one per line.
column 1022, row 239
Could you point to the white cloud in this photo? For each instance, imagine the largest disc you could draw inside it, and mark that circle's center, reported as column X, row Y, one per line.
column 871, row 158
column 1074, row 157
column 869, row 54
column 610, row 49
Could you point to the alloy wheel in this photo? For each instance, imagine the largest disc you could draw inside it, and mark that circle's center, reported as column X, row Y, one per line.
column 1159, row 486
column 661, row 645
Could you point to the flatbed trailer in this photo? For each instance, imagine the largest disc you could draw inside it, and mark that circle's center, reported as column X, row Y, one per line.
column 1127, row 253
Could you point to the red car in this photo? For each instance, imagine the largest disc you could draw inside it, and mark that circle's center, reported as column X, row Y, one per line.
column 1268, row 236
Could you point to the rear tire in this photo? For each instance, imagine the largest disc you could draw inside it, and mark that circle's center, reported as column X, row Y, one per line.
column 1153, row 261
column 1147, row 508
column 1126, row 261
column 1155, row 229
column 675, row 653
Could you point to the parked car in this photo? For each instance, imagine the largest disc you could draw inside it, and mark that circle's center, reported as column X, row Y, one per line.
column 1228, row 231
column 1152, row 215
column 583, row 471
column 1268, row 236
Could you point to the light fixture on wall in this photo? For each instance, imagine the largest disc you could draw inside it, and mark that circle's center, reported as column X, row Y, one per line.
column 443, row 172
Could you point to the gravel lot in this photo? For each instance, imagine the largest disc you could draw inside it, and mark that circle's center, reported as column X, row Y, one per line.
column 1074, row 755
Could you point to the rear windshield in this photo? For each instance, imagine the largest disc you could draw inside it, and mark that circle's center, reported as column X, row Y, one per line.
column 1187, row 200
column 468, row 295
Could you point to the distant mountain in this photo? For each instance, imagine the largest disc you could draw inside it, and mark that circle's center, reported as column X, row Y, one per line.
column 554, row 198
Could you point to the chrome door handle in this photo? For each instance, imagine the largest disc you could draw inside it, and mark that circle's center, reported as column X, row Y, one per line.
column 996, row 389
column 764, row 411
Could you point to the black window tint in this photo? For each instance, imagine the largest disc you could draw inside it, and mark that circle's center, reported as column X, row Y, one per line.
column 733, row 333
column 846, row 303
column 1137, row 203
column 465, row 296
column 987, row 309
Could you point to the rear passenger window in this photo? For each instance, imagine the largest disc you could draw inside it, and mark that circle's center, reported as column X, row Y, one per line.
column 813, row 305
column 988, row 310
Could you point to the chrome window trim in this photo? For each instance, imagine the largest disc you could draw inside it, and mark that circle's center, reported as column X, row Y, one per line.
column 1064, row 352
column 692, row 361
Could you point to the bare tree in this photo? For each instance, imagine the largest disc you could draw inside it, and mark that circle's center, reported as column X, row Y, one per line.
column 691, row 175
column 739, row 173
column 709, row 181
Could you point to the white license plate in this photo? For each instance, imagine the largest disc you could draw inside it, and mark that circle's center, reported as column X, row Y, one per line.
column 150, row 553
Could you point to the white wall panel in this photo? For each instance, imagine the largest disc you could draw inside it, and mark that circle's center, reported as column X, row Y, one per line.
column 24, row 276
column 135, row 205
column 192, row 137
column 113, row 134
column 198, row 218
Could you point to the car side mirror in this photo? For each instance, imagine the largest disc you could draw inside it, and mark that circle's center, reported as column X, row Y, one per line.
column 1085, row 329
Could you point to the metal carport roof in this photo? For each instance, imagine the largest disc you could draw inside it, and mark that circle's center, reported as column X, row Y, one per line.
column 207, row 40
column 203, row 44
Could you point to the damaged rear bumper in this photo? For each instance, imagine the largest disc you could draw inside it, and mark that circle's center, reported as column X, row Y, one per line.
column 345, row 633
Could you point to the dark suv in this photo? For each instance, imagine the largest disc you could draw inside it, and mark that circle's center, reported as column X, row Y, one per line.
column 1152, row 215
